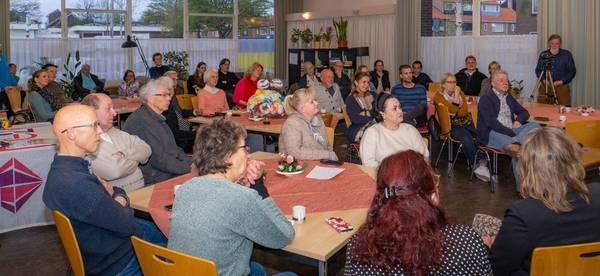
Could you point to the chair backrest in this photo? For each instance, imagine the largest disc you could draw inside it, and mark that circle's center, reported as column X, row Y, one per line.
column 330, row 135
column 14, row 97
column 293, row 88
column 585, row 132
column 67, row 236
column 185, row 101
column 177, row 263
column 194, row 100
column 433, row 86
column 577, row 259
column 473, row 112
column 444, row 120
column 346, row 117
column 32, row 113
column 426, row 141
column 327, row 118
column 185, row 88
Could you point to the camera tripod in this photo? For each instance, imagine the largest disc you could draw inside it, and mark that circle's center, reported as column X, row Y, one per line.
column 550, row 91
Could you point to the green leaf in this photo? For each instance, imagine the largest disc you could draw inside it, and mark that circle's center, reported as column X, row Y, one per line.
column 304, row 165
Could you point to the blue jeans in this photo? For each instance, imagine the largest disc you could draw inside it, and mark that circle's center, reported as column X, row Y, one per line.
column 465, row 135
column 151, row 234
column 499, row 140
column 257, row 269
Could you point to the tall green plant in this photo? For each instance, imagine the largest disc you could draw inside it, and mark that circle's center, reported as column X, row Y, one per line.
column 66, row 83
column 341, row 28
column 178, row 61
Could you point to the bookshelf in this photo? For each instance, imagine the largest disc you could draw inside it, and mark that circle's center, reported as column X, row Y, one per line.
column 322, row 59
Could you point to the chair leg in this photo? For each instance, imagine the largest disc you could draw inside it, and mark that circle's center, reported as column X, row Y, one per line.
column 69, row 271
column 460, row 149
column 440, row 153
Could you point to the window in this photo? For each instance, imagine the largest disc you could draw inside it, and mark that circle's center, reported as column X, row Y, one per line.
column 490, row 8
column 497, row 28
column 245, row 32
column 272, row 30
column 263, row 30
column 467, row 7
column 512, row 27
column 534, row 6
column 485, row 27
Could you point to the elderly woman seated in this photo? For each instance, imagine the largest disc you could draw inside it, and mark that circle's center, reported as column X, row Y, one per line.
column 303, row 134
column 43, row 103
column 558, row 208
column 210, row 98
column 218, row 215
column 389, row 135
column 407, row 232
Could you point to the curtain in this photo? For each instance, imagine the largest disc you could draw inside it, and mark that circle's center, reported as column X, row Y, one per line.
column 5, row 28
column 281, row 8
column 575, row 22
column 407, row 34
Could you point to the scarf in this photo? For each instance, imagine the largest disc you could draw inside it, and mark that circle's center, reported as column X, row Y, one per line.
column 450, row 98
column 211, row 90
column 313, row 129
column 48, row 97
column 88, row 82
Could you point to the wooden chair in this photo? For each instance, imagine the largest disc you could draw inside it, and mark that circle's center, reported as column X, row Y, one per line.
column 330, row 135
column 194, row 100
column 185, row 101
column 445, row 123
column 67, row 236
column 426, row 141
column 33, row 119
column 14, row 97
column 185, row 88
column 352, row 151
column 586, row 133
column 327, row 118
column 176, row 263
column 433, row 86
column 577, row 259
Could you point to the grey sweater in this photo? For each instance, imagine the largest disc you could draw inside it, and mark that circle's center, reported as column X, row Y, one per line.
column 219, row 220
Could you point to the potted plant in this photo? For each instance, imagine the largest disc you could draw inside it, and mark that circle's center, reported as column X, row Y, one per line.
column 296, row 37
column 66, row 83
column 178, row 61
column 307, row 38
column 341, row 30
column 318, row 37
column 518, row 88
column 327, row 36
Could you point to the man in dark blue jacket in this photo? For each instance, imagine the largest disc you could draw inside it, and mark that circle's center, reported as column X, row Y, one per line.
column 562, row 68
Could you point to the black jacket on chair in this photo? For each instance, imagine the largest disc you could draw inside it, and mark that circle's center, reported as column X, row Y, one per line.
column 385, row 79
column 470, row 88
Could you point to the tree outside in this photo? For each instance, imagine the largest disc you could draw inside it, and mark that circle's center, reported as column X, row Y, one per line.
column 19, row 9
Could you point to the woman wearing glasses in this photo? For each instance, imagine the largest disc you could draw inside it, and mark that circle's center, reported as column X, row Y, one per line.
column 43, row 103
column 130, row 86
column 220, row 215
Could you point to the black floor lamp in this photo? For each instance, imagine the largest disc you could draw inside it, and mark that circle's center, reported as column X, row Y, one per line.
column 130, row 44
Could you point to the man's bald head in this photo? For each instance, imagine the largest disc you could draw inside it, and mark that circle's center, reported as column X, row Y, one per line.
column 326, row 78
column 74, row 127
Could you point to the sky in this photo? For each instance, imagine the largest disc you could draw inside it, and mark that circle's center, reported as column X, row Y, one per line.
column 48, row 6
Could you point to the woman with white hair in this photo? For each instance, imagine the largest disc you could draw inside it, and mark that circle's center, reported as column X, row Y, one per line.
column 308, row 78
column 210, row 98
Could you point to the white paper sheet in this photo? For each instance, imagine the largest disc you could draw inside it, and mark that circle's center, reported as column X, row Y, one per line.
column 324, row 173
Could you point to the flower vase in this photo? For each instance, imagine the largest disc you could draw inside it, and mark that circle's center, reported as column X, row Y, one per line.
column 317, row 44
column 295, row 45
column 305, row 45
column 326, row 44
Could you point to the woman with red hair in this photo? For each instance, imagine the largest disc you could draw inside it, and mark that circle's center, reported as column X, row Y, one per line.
column 407, row 232
column 248, row 85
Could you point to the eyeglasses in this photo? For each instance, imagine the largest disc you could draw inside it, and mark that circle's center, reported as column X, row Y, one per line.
column 451, row 82
column 246, row 148
column 94, row 125
column 162, row 95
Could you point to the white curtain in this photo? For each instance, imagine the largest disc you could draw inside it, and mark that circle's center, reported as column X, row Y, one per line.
column 374, row 31
column 109, row 61
column 516, row 54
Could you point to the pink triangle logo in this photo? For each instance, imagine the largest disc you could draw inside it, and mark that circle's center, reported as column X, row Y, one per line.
column 17, row 185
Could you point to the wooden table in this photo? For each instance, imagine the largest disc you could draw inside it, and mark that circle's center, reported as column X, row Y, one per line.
column 591, row 159
column 315, row 243
column 124, row 106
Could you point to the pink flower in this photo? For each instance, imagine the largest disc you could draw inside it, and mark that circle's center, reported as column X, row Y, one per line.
column 298, row 167
column 280, row 168
column 289, row 159
column 299, row 162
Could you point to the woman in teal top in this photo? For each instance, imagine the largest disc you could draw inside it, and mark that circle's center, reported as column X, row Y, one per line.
column 43, row 103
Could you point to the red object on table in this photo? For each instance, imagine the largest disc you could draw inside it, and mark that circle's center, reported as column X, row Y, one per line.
column 352, row 189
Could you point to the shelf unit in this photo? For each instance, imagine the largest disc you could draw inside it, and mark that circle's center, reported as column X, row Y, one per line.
column 322, row 59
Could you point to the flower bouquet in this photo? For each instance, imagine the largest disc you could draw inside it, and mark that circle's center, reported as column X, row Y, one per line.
column 288, row 165
column 4, row 123
column 585, row 110
column 265, row 102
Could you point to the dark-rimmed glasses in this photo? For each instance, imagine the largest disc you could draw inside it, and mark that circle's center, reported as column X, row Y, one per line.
column 162, row 95
column 246, row 148
column 94, row 125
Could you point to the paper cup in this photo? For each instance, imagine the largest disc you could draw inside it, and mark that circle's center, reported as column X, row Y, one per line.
column 562, row 118
column 299, row 213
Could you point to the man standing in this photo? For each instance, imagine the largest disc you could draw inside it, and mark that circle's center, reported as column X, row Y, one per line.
column 562, row 68
column 328, row 93
column 227, row 81
column 167, row 160
column 118, row 154
column 418, row 76
column 502, row 121
column 53, row 86
column 100, row 214
column 341, row 79
column 412, row 98
column 158, row 70
column 469, row 79
column 380, row 77
column 87, row 83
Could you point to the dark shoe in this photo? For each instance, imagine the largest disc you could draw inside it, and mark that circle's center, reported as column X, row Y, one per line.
column 512, row 150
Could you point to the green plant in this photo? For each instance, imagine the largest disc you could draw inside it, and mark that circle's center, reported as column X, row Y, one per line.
column 518, row 86
column 36, row 65
column 306, row 36
column 341, row 28
column 328, row 34
column 318, row 37
column 68, row 76
column 178, row 61
column 296, row 35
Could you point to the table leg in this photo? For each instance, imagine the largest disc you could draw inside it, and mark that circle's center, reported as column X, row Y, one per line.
column 119, row 120
column 322, row 268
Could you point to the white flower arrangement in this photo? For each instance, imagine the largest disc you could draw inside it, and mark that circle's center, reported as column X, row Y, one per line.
column 266, row 101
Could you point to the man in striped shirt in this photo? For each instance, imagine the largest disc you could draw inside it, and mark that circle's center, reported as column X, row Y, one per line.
column 412, row 98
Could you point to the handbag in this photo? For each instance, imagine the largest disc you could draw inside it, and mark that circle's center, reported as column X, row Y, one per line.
column 435, row 130
column 461, row 121
column 361, row 131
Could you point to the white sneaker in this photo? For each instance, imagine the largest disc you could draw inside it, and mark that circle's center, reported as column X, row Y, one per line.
column 483, row 173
